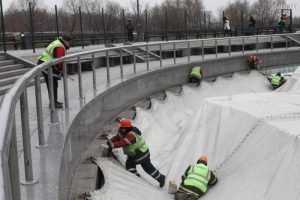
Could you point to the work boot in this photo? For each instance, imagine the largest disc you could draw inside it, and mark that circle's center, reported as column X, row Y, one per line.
column 58, row 104
column 161, row 181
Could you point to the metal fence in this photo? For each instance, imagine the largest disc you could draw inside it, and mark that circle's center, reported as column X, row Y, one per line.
column 9, row 176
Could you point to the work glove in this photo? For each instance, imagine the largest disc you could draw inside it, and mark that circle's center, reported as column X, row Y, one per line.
column 106, row 150
column 109, row 144
column 182, row 178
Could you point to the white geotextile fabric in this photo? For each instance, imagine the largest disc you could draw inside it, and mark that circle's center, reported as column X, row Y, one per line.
column 251, row 138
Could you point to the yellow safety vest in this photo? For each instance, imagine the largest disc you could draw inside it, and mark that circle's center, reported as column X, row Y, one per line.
column 139, row 144
column 198, row 176
column 196, row 72
column 47, row 54
column 276, row 80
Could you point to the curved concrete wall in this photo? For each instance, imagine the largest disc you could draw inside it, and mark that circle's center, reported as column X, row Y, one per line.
column 104, row 107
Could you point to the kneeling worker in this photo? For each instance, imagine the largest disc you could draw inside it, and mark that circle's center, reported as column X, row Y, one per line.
column 253, row 62
column 196, row 75
column 195, row 181
column 277, row 80
column 134, row 146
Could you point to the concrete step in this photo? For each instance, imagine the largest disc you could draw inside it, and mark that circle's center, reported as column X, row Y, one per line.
column 5, row 88
column 13, row 73
column 6, row 62
column 2, row 57
column 11, row 67
column 8, row 81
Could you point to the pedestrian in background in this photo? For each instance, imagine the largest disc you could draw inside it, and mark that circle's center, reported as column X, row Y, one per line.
column 226, row 26
column 252, row 23
column 129, row 30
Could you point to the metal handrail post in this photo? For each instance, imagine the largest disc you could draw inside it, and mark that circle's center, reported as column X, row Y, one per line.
column 121, row 63
column 14, row 164
column 243, row 41
column 51, row 93
column 256, row 43
column 147, row 56
column 107, row 68
column 286, row 45
column 202, row 51
column 229, row 46
column 189, row 52
column 160, row 54
column 65, row 81
column 134, row 61
column 94, row 72
column 216, row 46
column 174, row 50
column 26, row 139
column 3, row 26
column 80, row 77
column 271, row 42
column 39, row 111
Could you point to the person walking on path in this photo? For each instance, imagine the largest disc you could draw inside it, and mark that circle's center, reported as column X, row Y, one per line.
column 129, row 30
column 252, row 23
column 226, row 26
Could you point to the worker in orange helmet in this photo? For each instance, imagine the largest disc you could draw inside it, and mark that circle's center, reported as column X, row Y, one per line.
column 136, row 149
column 196, row 181
column 253, row 61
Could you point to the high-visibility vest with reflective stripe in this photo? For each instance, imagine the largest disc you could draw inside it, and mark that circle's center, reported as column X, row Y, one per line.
column 276, row 80
column 196, row 72
column 198, row 176
column 47, row 54
column 139, row 144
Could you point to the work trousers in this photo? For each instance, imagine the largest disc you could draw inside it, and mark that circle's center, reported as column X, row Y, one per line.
column 130, row 36
column 55, row 86
column 146, row 164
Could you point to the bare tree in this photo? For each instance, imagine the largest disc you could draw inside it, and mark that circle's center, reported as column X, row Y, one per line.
column 113, row 16
column 92, row 10
column 267, row 11
column 72, row 6
column 237, row 12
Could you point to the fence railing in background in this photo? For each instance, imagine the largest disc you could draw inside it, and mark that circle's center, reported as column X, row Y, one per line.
column 25, row 40
column 9, row 166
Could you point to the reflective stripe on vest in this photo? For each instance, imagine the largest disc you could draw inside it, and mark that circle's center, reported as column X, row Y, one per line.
column 276, row 80
column 47, row 54
column 139, row 144
column 196, row 72
column 198, row 176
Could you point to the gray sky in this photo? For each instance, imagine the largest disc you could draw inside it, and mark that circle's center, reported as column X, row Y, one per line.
column 212, row 5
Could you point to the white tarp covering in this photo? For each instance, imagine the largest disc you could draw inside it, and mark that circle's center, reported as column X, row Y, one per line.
column 251, row 138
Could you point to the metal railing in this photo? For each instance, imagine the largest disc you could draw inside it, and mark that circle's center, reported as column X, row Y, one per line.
column 9, row 172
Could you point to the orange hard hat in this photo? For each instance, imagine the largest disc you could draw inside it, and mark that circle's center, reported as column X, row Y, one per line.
column 125, row 123
column 203, row 158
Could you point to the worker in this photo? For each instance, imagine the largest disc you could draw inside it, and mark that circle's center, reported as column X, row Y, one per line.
column 136, row 149
column 55, row 49
column 196, row 75
column 253, row 62
column 195, row 181
column 277, row 80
